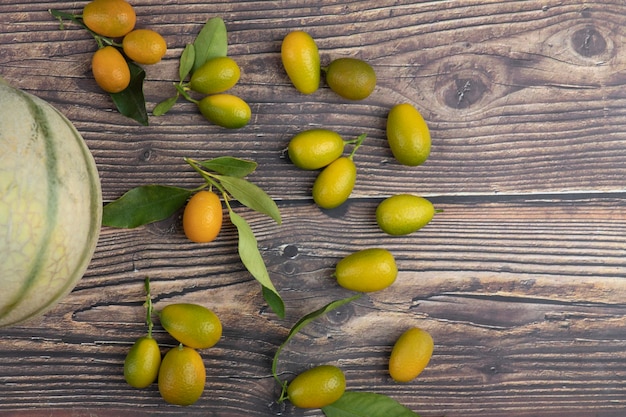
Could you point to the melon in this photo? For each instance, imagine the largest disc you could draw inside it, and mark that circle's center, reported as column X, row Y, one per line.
column 50, row 206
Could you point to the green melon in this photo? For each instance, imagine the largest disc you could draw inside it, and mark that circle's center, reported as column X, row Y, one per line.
column 50, row 206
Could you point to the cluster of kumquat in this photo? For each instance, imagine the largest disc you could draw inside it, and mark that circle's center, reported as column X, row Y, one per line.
column 181, row 373
column 111, row 21
column 372, row 269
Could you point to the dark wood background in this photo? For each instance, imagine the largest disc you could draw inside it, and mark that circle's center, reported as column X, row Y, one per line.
column 520, row 280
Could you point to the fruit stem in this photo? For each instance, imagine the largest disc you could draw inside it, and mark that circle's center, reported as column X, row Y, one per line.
column 357, row 144
column 209, row 178
column 148, row 306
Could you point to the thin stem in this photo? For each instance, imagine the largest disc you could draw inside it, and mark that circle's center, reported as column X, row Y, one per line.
column 209, row 178
column 359, row 141
column 148, row 305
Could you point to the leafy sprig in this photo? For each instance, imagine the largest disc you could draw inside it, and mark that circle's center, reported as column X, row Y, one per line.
column 151, row 203
column 351, row 403
column 130, row 102
column 211, row 42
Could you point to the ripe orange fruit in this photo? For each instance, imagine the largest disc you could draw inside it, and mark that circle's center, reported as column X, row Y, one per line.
column 317, row 387
column 408, row 135
column 110, row 69
column 301, row 60
column 335, row 183
column 351, row 78
column 111, row 18
column 410, row 354
column 202, row 217
column 182, row 376
column 144, row 46
column 367, row 270
column 215, row 76
column 141, row 365
column 191, row 324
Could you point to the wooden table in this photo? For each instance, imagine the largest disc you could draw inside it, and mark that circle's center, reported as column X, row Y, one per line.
column 520, row 280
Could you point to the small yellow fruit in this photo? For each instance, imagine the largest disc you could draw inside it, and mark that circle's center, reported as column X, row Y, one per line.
column 335, row 183
column 301, row 60
column 215, row 76
column 408, row 135
column 315, row 148
column 410, row 354
column 203, row 216
column 191, row 324
column 110, row 69
column 402, row 214
column 182, row 376
column 144, row 46
column 367, row 270
column 142, row 362
column 225, row 110
column 317, row 387
column 351, row 78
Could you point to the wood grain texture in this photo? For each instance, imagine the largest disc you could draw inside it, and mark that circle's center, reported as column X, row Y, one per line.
column 520, row 279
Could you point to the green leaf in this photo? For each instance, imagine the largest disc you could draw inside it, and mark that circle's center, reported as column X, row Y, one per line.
column 143, row 205
column 130, row 102
column 187, row 60
column 306, row 320
column 250, row 195
column 211, row 42
column 164, row 106
column 252, row 260
column 229, row 166
column 366, row 404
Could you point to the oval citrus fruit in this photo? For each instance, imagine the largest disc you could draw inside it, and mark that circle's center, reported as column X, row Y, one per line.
column 182, row 376
column 225, row 110
column 191, row 324
column 203, row 216
column 408, row 135
column 315, row 148
column 317, row 387
column 402, row 214
column 367, row 270
column 215, row 76
column 110, row 69
column 301, row 60
column 335, row 183
column 351, row 78
column 410, row 354
column 141, row 365
column 111, row 18
column 144, row 46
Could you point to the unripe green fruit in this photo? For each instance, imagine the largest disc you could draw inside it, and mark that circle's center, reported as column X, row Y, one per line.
column 402, row 214
column 408, row 135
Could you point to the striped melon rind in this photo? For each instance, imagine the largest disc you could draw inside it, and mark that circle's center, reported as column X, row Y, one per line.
column 50, row 206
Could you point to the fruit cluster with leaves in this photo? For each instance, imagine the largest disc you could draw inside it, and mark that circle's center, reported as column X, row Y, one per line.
column 357, row 272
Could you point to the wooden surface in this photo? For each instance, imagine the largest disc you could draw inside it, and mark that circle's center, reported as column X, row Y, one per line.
column 520, row 280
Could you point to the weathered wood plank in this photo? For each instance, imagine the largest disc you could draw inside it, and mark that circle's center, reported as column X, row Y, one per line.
column 520, row 280
column 524, row 299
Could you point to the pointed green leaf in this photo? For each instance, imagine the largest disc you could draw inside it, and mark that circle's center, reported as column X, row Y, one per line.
column 211, row 42
column 250, row 195
column 143, row 205
column 366, row 404
column 306, row 320
column 164, row 106
column 253, row 261
column 229, row 166
column 131, row 102
column 187, row 59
